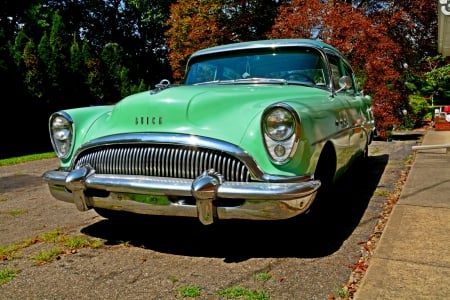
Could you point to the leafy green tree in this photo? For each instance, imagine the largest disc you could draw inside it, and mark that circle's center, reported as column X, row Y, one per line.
column 33, row 76
column 115, row 74
column 416, row 112
column 58, row 64
column 94, row 80
column 147, row 51
column 76, row 59
column 60, row 28
column 20, row 42
column 138, row 26
column 76, row 76
column 12, row 15
column 249, row 19
column 93, row 76
column 138, row 88
column 21, row 27
column 437, row 79
column 45, row 61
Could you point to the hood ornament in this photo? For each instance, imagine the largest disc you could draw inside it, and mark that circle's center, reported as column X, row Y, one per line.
column 162, row 85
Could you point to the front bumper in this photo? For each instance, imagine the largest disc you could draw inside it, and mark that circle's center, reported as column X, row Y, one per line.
column 262, row 200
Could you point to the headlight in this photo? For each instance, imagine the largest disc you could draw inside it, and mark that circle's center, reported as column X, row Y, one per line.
column 61, row 133
column 280, row 125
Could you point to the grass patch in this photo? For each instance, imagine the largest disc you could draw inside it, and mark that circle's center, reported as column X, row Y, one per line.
column 382, row 193
column 65, row 243
column 79, row 242
column 263, row 276
column 343, row 292
column 410, row 159
column 173, row 278
column 14, row 212
column 54, row 236
column 25, row 158
column 72, row 242
column 9, row 252
column 6, row 275
column 49, row 255
column 12, row 251
column 242, row 293
column 190, row 291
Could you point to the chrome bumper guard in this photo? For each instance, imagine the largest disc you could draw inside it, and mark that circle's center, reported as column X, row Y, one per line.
column 263, row 200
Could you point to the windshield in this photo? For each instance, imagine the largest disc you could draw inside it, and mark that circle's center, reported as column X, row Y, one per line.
column 301, row 65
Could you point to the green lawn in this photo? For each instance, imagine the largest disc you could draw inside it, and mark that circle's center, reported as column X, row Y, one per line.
column 20, row 159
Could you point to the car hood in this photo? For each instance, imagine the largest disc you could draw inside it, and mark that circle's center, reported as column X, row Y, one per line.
column 228, row 112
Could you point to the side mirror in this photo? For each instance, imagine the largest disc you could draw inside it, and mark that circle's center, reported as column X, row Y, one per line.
column 345, row 82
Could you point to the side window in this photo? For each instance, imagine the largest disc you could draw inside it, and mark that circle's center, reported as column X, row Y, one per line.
column 348, row 72
column 335, row 70
column 340, row 68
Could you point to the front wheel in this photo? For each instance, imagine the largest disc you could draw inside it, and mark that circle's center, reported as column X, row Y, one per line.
column 325, row 171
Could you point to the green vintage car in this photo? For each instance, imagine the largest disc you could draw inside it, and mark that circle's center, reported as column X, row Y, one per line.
column 256, row 131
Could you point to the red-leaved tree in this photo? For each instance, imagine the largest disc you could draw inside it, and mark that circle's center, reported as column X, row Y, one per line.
column 192, row 25
column 198, row 24
column 368, row 47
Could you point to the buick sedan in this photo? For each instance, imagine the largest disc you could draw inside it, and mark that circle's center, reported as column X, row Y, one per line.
column 255, row 131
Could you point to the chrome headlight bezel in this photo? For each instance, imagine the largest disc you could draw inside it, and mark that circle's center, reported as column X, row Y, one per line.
column 280, row 127
column 61, row 133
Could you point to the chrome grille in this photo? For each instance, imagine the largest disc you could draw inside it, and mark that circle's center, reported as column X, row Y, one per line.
column 163, row 161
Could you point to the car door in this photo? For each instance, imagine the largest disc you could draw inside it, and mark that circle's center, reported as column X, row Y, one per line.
column 352, row 115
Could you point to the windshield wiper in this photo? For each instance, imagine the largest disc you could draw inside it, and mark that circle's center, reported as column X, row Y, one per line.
column 246, row 81
column 257, row 80
column 261, row 80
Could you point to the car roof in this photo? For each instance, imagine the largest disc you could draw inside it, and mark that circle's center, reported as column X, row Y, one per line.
column 275, row 43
